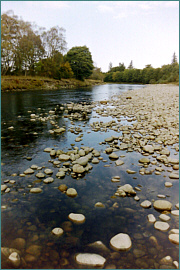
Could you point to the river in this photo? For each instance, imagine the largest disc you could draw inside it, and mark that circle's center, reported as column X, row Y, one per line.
column 32, row 217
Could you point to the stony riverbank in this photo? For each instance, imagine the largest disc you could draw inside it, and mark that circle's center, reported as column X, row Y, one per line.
column 151, row 132
column 22, row 83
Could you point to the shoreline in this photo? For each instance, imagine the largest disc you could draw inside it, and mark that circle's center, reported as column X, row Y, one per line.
column 20, row 83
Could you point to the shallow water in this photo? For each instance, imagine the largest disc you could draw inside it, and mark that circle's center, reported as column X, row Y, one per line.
column 33, row 216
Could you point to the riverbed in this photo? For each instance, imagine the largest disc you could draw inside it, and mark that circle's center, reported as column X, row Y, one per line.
column 116, row 147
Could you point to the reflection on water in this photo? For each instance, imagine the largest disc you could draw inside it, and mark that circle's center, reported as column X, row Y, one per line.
column 33, row 216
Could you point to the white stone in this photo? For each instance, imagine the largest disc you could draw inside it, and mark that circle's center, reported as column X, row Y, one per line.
column 77, row 218
column 48, row 171
column 15, row 259
column 58, row 231
column 60, row 174
column 83, row 161
column 175, row 212
column 78, row 168
column 48, row 180
column 90, row 259
column 174, row 176
column 64, row 157
column 164, row 217
column 161, row 226
column 3, row 187
column 35, row 190
column 99, row 204
column 71, row 192
column 113, row 156
column 119, row 162
column 95, row 161
column 121, row 242
column 174, row 238
column 162, row 205
column 151, row 218
column 168, row 184
column 29, row 171
column 146, row 204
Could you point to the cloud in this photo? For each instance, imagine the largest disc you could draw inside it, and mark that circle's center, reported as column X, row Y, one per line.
column 105, row 8
column 49, row 4
column 123, row 9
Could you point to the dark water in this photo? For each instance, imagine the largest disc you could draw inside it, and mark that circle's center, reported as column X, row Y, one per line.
column 33, row 216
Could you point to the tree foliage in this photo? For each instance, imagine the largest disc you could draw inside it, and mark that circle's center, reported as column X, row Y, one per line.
column 165, row 74
column 80, row 60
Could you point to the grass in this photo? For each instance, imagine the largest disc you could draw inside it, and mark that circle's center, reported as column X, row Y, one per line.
column 14, row 83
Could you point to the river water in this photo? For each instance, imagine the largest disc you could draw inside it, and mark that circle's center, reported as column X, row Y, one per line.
column 33, row 216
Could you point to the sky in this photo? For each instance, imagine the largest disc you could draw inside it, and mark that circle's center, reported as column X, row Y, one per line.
column 146, row 32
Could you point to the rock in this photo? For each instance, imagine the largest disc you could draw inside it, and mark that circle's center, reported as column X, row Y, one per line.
column 161, row 226
column 35, row 190
column 138, row 253
column 144, row 160
column 83, row 161
column 53, row 153
column 95, row 161
column 3, row 187
column 18, row 243
column 177, row 206
column 175, row 212
column 109, row 150
column 34, row 250
column 113, row 156
column 121, row 242
column 130, row 171
column 176, row 167
column 174, row 238
column 148, row 148
column 164, row 217
column 48, row 150
column 59, row 130
column 146, row 204
column 168, row 184
column 62, row 187
column 40, row 175
column 151, row 218
column 174, row 161
column 29, row 171
column 90, row 260
column 48, row 180
column 99, row 247
column 128, row 189
column 162, row 205
column 165, row 151
column 99, row 204
column 77, row 218
column 119, row 162
column 14, row 259
column 30, row 258
column 48, row 171
column 109, row 139
column 34, row 167
column 166, row 260
column 71, row 192
column 58, row 231
column 78, row 168
column 64, row 157
column 174, row 176
column 175, row 231
column 60, row 174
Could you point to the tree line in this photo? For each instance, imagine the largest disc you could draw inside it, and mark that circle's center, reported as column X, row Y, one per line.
column 148, row 75
column 27, row 49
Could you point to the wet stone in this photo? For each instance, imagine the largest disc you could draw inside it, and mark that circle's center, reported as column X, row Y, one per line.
column 35, row 190
column 161, row 226
column 146, row 204
column 121, row 242
column 90, row 260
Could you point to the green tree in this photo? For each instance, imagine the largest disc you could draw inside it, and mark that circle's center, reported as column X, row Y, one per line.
column 174, row 58
column 80, row 60
column 9, row 40
column 131, row 65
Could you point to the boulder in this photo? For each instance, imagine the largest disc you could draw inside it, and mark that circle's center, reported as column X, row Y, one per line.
column 162, row 205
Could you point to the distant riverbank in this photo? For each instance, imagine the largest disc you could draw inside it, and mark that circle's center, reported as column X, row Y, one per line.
column 20, row 83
